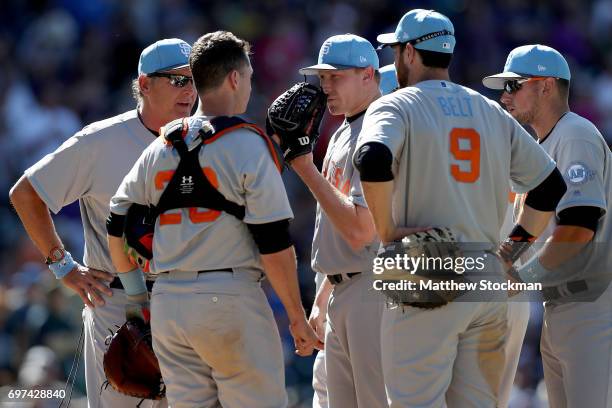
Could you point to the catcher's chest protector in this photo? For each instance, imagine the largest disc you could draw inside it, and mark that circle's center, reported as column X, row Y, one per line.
column 188, row 186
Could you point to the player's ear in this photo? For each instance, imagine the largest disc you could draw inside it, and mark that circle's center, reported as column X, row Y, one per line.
column 409, row 53
column 234, row 79
column 367, row 74
column 144, row 82
column 549, row 85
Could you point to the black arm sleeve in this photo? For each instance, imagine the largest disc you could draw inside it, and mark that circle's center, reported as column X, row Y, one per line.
column 271, row 237
column 583, row 216
column 548, row 193
column 115, row 224
column 373, row 160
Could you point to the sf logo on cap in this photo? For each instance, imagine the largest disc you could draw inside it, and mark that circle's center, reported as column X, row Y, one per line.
column 185, row 49
column 325, row 48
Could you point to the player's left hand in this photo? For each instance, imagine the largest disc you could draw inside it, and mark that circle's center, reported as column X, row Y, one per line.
column 88, row 284
column 304, row 338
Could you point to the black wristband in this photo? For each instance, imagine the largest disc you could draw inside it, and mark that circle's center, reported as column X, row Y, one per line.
column 519, row 234
column 516, row 244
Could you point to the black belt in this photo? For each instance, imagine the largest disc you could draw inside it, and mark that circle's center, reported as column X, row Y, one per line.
column 218, row 270
column 569, row 288
column 336, row 279
column 116, row 284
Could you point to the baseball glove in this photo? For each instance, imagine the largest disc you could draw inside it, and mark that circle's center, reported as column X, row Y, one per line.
column 130, row 364
column 436, row 250
column 295, row 117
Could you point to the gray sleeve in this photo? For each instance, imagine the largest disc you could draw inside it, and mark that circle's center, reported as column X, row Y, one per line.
column 384, row 122
column 529, row 163
column 582, row 165
column 63, row 176
column 265, row 195
column 132, row 189
column 356, row 191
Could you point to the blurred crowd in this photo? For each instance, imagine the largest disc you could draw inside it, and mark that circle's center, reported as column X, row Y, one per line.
column 66, row 63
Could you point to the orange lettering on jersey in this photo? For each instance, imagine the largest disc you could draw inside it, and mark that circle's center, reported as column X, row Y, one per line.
column 197, row 216
column 337, row 177
column 471, row 155
column 511, row 196
column 162, row 178
column 346, row 187
column 170, row 219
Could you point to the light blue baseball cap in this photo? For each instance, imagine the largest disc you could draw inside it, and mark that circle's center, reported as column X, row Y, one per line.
column 530, row 61
column 344, row 51
column 388, row 79
column 164, row 55
column 424, row 29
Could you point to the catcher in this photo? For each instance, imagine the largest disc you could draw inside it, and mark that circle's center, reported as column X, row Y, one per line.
column 212, row 328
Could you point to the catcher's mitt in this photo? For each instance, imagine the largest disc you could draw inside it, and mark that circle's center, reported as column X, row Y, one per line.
column 436, row 248
column 130, row 364
column 295, row 117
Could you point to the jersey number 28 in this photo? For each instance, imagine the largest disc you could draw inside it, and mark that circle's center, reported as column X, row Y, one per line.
column 195, row 215
column 470, row 155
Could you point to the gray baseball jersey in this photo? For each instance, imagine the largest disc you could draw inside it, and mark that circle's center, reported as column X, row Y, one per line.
column 453, row 153
column 229, row 352
column 585, row 161
column 331, row 254
column 89, row 167
column 352, row 338
column 239, row 166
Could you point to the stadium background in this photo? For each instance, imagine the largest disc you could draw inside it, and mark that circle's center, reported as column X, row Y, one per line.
column 65, row 63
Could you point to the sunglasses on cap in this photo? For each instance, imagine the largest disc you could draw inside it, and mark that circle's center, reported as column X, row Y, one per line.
column 177, row 81
column 515, row 85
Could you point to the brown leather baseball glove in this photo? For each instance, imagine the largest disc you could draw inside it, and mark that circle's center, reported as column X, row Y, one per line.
column 435, row 247
column 130, row 364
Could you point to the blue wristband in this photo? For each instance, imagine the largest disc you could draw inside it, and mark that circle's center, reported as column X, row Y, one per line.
column 133, row 282
column 533, row 271
column 62, row 267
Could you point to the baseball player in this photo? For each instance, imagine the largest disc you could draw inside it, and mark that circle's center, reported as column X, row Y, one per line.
column 575, row 263
column 388, row 79
column 89, row 167
column 435, row 153
column 213, row 330
column 388, row 83
column 344, row 241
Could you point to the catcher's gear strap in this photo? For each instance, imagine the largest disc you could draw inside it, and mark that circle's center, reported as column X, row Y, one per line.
column 115, row 224
column 581, row 216
column 373, row 161
column 548, row 193
column 189, row 187
column 271, row 237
